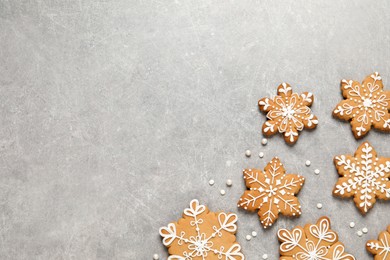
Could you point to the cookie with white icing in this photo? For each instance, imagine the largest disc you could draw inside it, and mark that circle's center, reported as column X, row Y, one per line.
column 271, row 192
column 364, row 176
column 288, row 113
column 314, row 241
column 365, row 105
column 380, row 248
column 201, row 234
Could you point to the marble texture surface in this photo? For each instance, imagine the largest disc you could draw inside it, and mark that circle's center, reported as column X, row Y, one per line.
column 115, row 114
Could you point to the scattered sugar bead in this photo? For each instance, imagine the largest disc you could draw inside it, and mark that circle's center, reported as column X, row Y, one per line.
column 261, row 154
column 359, row 233
column 316, row 171
column 155, row 257
column 352, row 224
column 307, row 163
column 211, row 182
column 265, row 256
column 365, row 230
column 319, row 205
column 223, row 192
column 229, row 182
column 254, row 233
column 248, row 237
column 248, row 153
column 264, row 141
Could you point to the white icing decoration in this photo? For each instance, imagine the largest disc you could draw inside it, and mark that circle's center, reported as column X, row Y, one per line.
column 366, row 178
column 370, row 104
column 288, row 113
column 272, row 191
column 383, row 245
column 201, row 245
column 312, row 250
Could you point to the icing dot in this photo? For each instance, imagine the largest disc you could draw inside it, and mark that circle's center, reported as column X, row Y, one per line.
column 319, row 205
column 229, row 182
column 307, row 163
column 261, row 154
column 211, row 182
column 316, row 171
column 254, row 233
column 248, row 237
column 265, row 256
column 359, row 233
column 248, row 153
column 352, row 224
column 156, row 257
column 365, row 230
column 264, row 141
column 223, row 192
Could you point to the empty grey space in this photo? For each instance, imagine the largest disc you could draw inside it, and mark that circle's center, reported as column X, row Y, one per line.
column 114, row 115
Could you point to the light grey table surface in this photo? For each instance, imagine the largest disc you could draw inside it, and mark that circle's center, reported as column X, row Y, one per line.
column 115, row 114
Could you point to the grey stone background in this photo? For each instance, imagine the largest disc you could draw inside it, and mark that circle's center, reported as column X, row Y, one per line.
column 115, row 114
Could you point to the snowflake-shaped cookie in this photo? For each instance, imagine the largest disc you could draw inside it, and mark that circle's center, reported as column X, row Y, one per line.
column 271, row 192
column 313, row 242
column 365, row 105
column 288, row 113
column 381, row 247
column 364, row 176
column 202, row 234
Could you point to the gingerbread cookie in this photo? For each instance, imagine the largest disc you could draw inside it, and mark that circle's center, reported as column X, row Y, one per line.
column 315, row 241
column 201, row 234
column 381, row 247
column 288, row 113
column 365, row 105
column 363, row 176
column 271, row 192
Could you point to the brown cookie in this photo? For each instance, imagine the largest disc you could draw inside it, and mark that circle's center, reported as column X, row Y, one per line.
column 364, row 176
column 271, row 192
column 366, row 105
column 288, row 113
column 381, row 247
column 315, row 241
column 201, row 234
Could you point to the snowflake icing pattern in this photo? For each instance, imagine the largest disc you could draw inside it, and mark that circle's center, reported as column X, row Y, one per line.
column 365, row 104
column 313, row 242
column 381, row 247
column 271, row 192
column 288, row 113
column 202, row 234
column 364, row 176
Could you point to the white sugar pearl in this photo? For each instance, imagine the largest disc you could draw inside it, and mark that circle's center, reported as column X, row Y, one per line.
column 229, row 182
column 265, row 256
column 248, row 237
column 319, row 205
column 254, row 233
column 316, row 171
column 155, row 257
column 261, row 154
column 248, row 153
column 223, row 192
column 365, row 230
column 352, row 224
column 307, row 163
column 264, row 141
column 211, row 182
column 359, row 233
